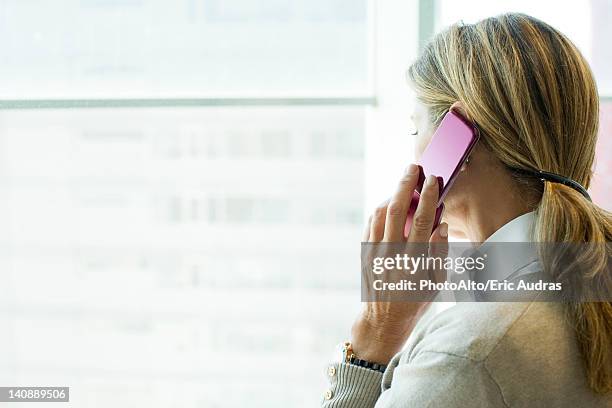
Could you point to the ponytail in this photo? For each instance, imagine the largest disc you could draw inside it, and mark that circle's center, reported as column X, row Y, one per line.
column 564, row 215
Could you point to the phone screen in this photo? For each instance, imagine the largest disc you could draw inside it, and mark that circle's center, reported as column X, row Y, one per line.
column 448, row 149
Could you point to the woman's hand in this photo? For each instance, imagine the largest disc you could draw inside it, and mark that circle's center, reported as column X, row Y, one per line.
column 382, row 328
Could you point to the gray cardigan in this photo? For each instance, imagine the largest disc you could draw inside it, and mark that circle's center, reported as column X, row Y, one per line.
column 478, row 355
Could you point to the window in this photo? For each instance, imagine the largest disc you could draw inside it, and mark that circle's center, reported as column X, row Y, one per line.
column 602, row 185
column 171, row 173
column 148, row 48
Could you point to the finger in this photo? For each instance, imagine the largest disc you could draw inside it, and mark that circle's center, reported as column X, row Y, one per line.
column 377, row 225
column 440, row 239
column 422, row 222
column 366, row 231
column 399, row 205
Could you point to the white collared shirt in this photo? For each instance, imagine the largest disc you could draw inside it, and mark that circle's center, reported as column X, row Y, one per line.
column 502, row 263
column 519, row 229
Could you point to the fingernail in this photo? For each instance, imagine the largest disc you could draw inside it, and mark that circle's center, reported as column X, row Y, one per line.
column 443, row 230
column 412, row 169
column 431, row 180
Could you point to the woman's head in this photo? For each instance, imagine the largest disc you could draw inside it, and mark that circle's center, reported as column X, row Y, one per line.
column 526, row 86
column 533, row 97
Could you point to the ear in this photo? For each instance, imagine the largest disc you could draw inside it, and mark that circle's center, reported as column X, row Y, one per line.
column 460, row 108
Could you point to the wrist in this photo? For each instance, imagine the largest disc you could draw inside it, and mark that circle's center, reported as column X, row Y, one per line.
column 381, row 329
column 349, row 357
column 374, row 353
column 374, row 343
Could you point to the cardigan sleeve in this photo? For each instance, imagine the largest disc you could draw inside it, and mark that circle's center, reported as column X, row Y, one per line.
column 429, row 379
column 351, row 386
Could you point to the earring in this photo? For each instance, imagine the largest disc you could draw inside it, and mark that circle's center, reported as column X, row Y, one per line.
column 464, row 165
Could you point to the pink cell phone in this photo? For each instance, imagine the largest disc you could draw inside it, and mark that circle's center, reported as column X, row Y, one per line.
column 449, row 148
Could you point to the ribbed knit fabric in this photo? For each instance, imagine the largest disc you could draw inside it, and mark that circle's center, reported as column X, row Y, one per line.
column 352, row 386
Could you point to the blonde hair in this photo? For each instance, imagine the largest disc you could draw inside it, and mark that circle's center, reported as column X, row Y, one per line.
column 533, row 96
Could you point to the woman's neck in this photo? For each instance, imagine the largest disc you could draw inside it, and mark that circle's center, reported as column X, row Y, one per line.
column 481, row 221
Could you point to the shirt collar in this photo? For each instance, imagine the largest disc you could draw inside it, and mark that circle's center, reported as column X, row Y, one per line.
column 519, row 229
column 507, row 261
column 503, row 262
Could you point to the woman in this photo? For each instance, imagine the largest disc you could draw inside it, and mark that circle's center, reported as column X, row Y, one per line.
column 534, row 100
